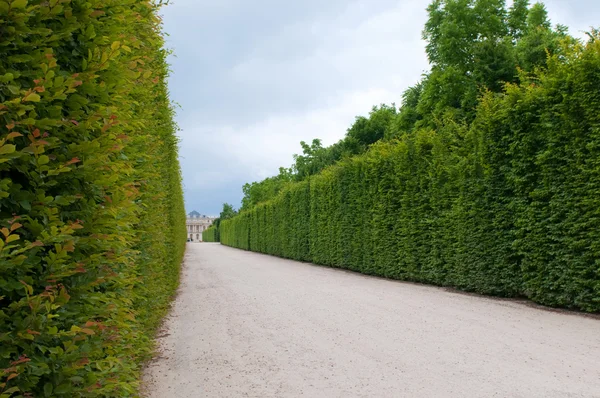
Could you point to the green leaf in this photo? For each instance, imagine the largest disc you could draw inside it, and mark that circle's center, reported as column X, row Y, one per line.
column 17, row 4
column 63, row 388
column 6, row 149
column 12, row 238
column 48, row 389
column 33, row 97
column 42, row 160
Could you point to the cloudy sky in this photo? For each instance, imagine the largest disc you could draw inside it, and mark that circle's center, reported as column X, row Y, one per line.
column 254, row 78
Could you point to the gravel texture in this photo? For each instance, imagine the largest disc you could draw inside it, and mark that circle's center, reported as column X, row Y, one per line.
column 249, row 325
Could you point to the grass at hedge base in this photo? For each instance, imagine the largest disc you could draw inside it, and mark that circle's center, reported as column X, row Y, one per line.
column 507, row 206
column 92, row 222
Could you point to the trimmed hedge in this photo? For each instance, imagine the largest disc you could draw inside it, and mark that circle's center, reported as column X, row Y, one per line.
column 508, row 206
column 210, row 235
column 92, row 222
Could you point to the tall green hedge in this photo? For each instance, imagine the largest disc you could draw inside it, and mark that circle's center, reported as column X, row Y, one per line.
column 92, row 223
column 211, row 234
column 508, row 205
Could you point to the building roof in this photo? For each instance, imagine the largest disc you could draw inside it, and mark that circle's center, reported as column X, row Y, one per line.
column 194, row 214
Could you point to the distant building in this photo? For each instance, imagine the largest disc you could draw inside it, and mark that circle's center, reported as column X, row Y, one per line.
column 197, row 223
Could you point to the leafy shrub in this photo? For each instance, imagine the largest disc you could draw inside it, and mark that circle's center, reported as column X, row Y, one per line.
column 211, row 234
column 508, row 205
column 92, row 221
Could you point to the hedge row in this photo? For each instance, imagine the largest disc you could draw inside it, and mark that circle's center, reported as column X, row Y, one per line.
column 92, row 223
column 507, row 206
column 210, row 235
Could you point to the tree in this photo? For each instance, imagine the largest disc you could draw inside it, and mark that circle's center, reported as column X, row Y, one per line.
column 408, row 116
column 367, row 131
column 517, row 18
column 227, row 212
column 258, row 192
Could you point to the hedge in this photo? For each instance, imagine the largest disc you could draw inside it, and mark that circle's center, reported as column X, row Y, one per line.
column 210, row 235
column 508, row 205
column 92, row 220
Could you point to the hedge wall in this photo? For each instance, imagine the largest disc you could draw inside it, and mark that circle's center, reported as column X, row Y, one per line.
column 210, row 235
column 508, row 206
column 92, row 223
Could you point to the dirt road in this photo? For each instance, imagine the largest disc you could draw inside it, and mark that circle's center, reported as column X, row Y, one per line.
column 248, row 325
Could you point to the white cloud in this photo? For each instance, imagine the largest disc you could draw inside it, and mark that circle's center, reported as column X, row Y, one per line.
column 258, row 150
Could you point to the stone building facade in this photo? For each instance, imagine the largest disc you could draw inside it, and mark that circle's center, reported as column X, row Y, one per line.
column 197, row 223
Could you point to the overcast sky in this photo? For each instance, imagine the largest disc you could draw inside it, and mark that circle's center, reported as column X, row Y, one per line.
column 254, row 78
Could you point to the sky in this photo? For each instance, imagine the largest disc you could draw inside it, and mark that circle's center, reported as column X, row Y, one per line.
column 251, row 79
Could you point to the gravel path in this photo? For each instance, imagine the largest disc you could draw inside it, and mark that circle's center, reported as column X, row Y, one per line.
column 249, row 325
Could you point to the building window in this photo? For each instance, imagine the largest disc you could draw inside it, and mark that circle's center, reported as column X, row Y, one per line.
column 198, row 236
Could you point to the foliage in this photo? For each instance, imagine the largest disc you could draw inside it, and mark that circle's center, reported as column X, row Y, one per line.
column 504, row 204
column 91, row 209
column 475, row 46
column 210, row 234
column 258, row 192
column 213, row 234
column 227, row 212
column 364, row 132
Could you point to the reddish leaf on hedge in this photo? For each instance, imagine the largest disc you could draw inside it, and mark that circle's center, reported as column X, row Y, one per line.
column 73, row 161
column 14, row 134
column 75, row 122
column 36, row 133
column 10, row 126
column 22, row 359
column 15, row 226
column 12, row 376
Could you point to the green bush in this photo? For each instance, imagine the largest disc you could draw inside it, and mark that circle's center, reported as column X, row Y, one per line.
column 508, row 205
column 92, row 221
column 211, row 234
